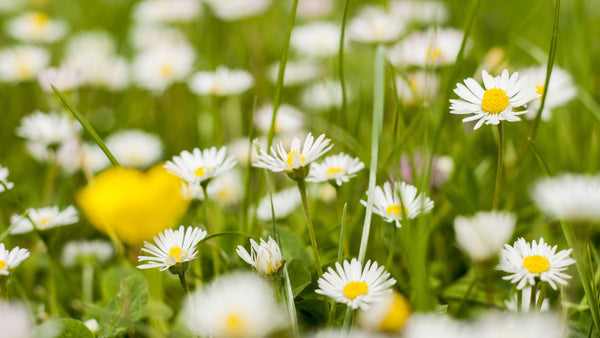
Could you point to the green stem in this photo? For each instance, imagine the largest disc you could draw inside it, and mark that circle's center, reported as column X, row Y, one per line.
column 342, row 239
column 4, row 287
column 183, row 281
column 532, row 296
column 311, row 230
column 341, row 61
column 87, row 283
column 500, row 166
column 465, row 298
column 347, row 320
column 50, row 176
column 540, row 300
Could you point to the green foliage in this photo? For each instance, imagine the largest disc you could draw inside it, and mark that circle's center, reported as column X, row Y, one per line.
column 63, row 328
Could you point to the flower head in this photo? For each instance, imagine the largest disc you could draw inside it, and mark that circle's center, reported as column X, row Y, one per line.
column 232, row 10
column 166, row 11
column 288, row 120
column 22, row 63
column 221, row 82
column 15, row 320
column 265, row 258
column 173, row 247
column 322, row 96
column 83, row 252
column 157, row 67
column 561, row 89
column 65, row 78
column 135, row 148
column 388, row 314
column 43, row 218
column 11, row 259
column 47, row 130
column 355, row 286
column 319, row 39
column 375, row 25
column 399, row 202
column 483, row 235
column 432, row 48
column 336, row 168
column 496, row 102
column 36, row 27
column 200, row 166
column 512, row 303
column 526, row 261
column 4, row 183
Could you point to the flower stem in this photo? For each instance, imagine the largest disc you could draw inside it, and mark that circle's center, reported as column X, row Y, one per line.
column 540, row 298
column 311, row 230
column 532, row 296
column 87, row 283
column 500, row 166
column 183, row 282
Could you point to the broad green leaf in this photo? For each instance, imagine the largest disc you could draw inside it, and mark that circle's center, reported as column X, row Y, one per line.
column 299, row 276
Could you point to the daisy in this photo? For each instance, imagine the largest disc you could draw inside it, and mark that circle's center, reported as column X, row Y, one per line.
column 501, row 325
column 423, row 12
column 296, row 73
column 147, row 36
column 419, row 85
column 65, row 78
column 339, row 168
column 432, row 48
column 322, row 96
column 83, row 252
column 355, row 286
column 388, row 314
column 158, row 67
column 11, row 259
column 435, row 325
column 135, row 148
column 232, row 10
column 316, row 40
column 560, row 89
column 265, row 258
column 284, row 203
column 200, row 166
column 5, row 184
column 48, row 130
column 312, row 9
column 496, row 103
column 173, row 248
column 36, row 27
column 43, row 218
column 15, row 320
column 296, row 162
column 235, row 305
column 571, row 197
column 288, row 121
column 526, row 261
column 166, row 11
column 227, row 189
column 483, row 235
column 375, row 25
column 222, row 82
column 399, row 202
column 22, row 63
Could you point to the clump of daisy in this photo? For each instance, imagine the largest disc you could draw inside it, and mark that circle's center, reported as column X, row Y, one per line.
column 284, row 202
column 500, row 325
column 527, row 261
column 374, row 24
column 398, row 202
column 316, row 40
column 570, row 197
column 36, row 27
column 389, row 314
column 221, row 82
column 135, row 148
column 354, row 286
column 43, row 219
column 420, row 12
column 236, row 305
column 157, row 67
column 289, row 119
column 432, row 48
column 560, row 89
column 495, row 102
column 483, row 235
column 200, row 166
column 233, row 10
column 265, row 257
column 82, row 252
column 5, row 184
column 337, row 169
column 11, row 259
column 22, row 63
column 147, row 36
column 166, row 11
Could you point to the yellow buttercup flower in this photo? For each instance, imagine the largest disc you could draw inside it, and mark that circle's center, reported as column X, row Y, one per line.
column 132, row 205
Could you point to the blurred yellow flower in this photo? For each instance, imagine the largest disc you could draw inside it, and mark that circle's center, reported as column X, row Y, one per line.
column 132, row 205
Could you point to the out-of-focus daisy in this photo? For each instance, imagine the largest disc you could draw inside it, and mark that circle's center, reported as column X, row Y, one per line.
column 157, row 68
column 374, row 24
column 200, row 166
column 222, row 82
column 355, row 286
column 86, row 252
column 496, row 102
column 22, row 63
column 310, row 9
column 92, row 325
column 15, row 320
column 65, row 78
column 526, row 261
column 284, row 202
column 560, row 89
column 10, row 259
column 319, row 39
column 36, row 27
column 227, row 189
column 435, row 325
column 135, row 148
column 388, row 314
column 342, row 333
column 166, row 11
column 48, row 130
column 433, row 48
column 441, row 168
column 288, row 121
column 43, row 218
column 236, row 305
column 296, row 73
column 512, row 303
column 399, row 202
column 147, row 36
column 501, row 325
column 336, row 168
column 323, row 95
column 232, row 10
column 172, row 248
column 12, row 5
column 571, row 197
column 424, row 12
column 5, row 184
column 420, row 85
column 265, row 258
column 484, row 234
column 295, row 162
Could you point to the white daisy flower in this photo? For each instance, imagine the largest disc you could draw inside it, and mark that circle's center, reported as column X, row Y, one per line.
column 387, row 314
column 82, row 252
column 235, row 305
column 561, row 89
column 222, row 82
column 158, row 67
column 423, row 85
column 65, row 78
column 339, row 168
column 296, row 73
column 512, row 303
column 399, row 202
column 570, row 197
column 496, row 103
column 200, row 166
column 12, row 5
column 231, row 10
column 44, row 219
column 5, row 183
column 483, row 235
column 11, row 259
column 435, row 325
column 434, row 47
column 49, row 129
column 319, row 39
column 172, row 247
column 288, row 121
column 227, row 189
column 284, row 203
column 22, row 63
column 15, row 320
column 166, row 11
column 355, row 286
column 526, row 261
column 312, row 9
column 501, row 325
column 265, row 258
column 424, row 12
column 374, row 24
column 322, row 96
column 135, row 148
column 36, row 27
column 147, row 36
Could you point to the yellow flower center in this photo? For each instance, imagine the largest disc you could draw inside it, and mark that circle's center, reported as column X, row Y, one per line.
column 396, row 210
column 494, row 101
column 39, row 19
column 332, row 171
column 45, row 220
column 200, row 172
column 234, row 326
column 295, row 159
column 355, row 289
column 2, row 265
column 536, row 264
column 540, row 89
column 23, row 69
column 398, row 312
column 177, row 253
column 433, row 54
column 166, row 70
